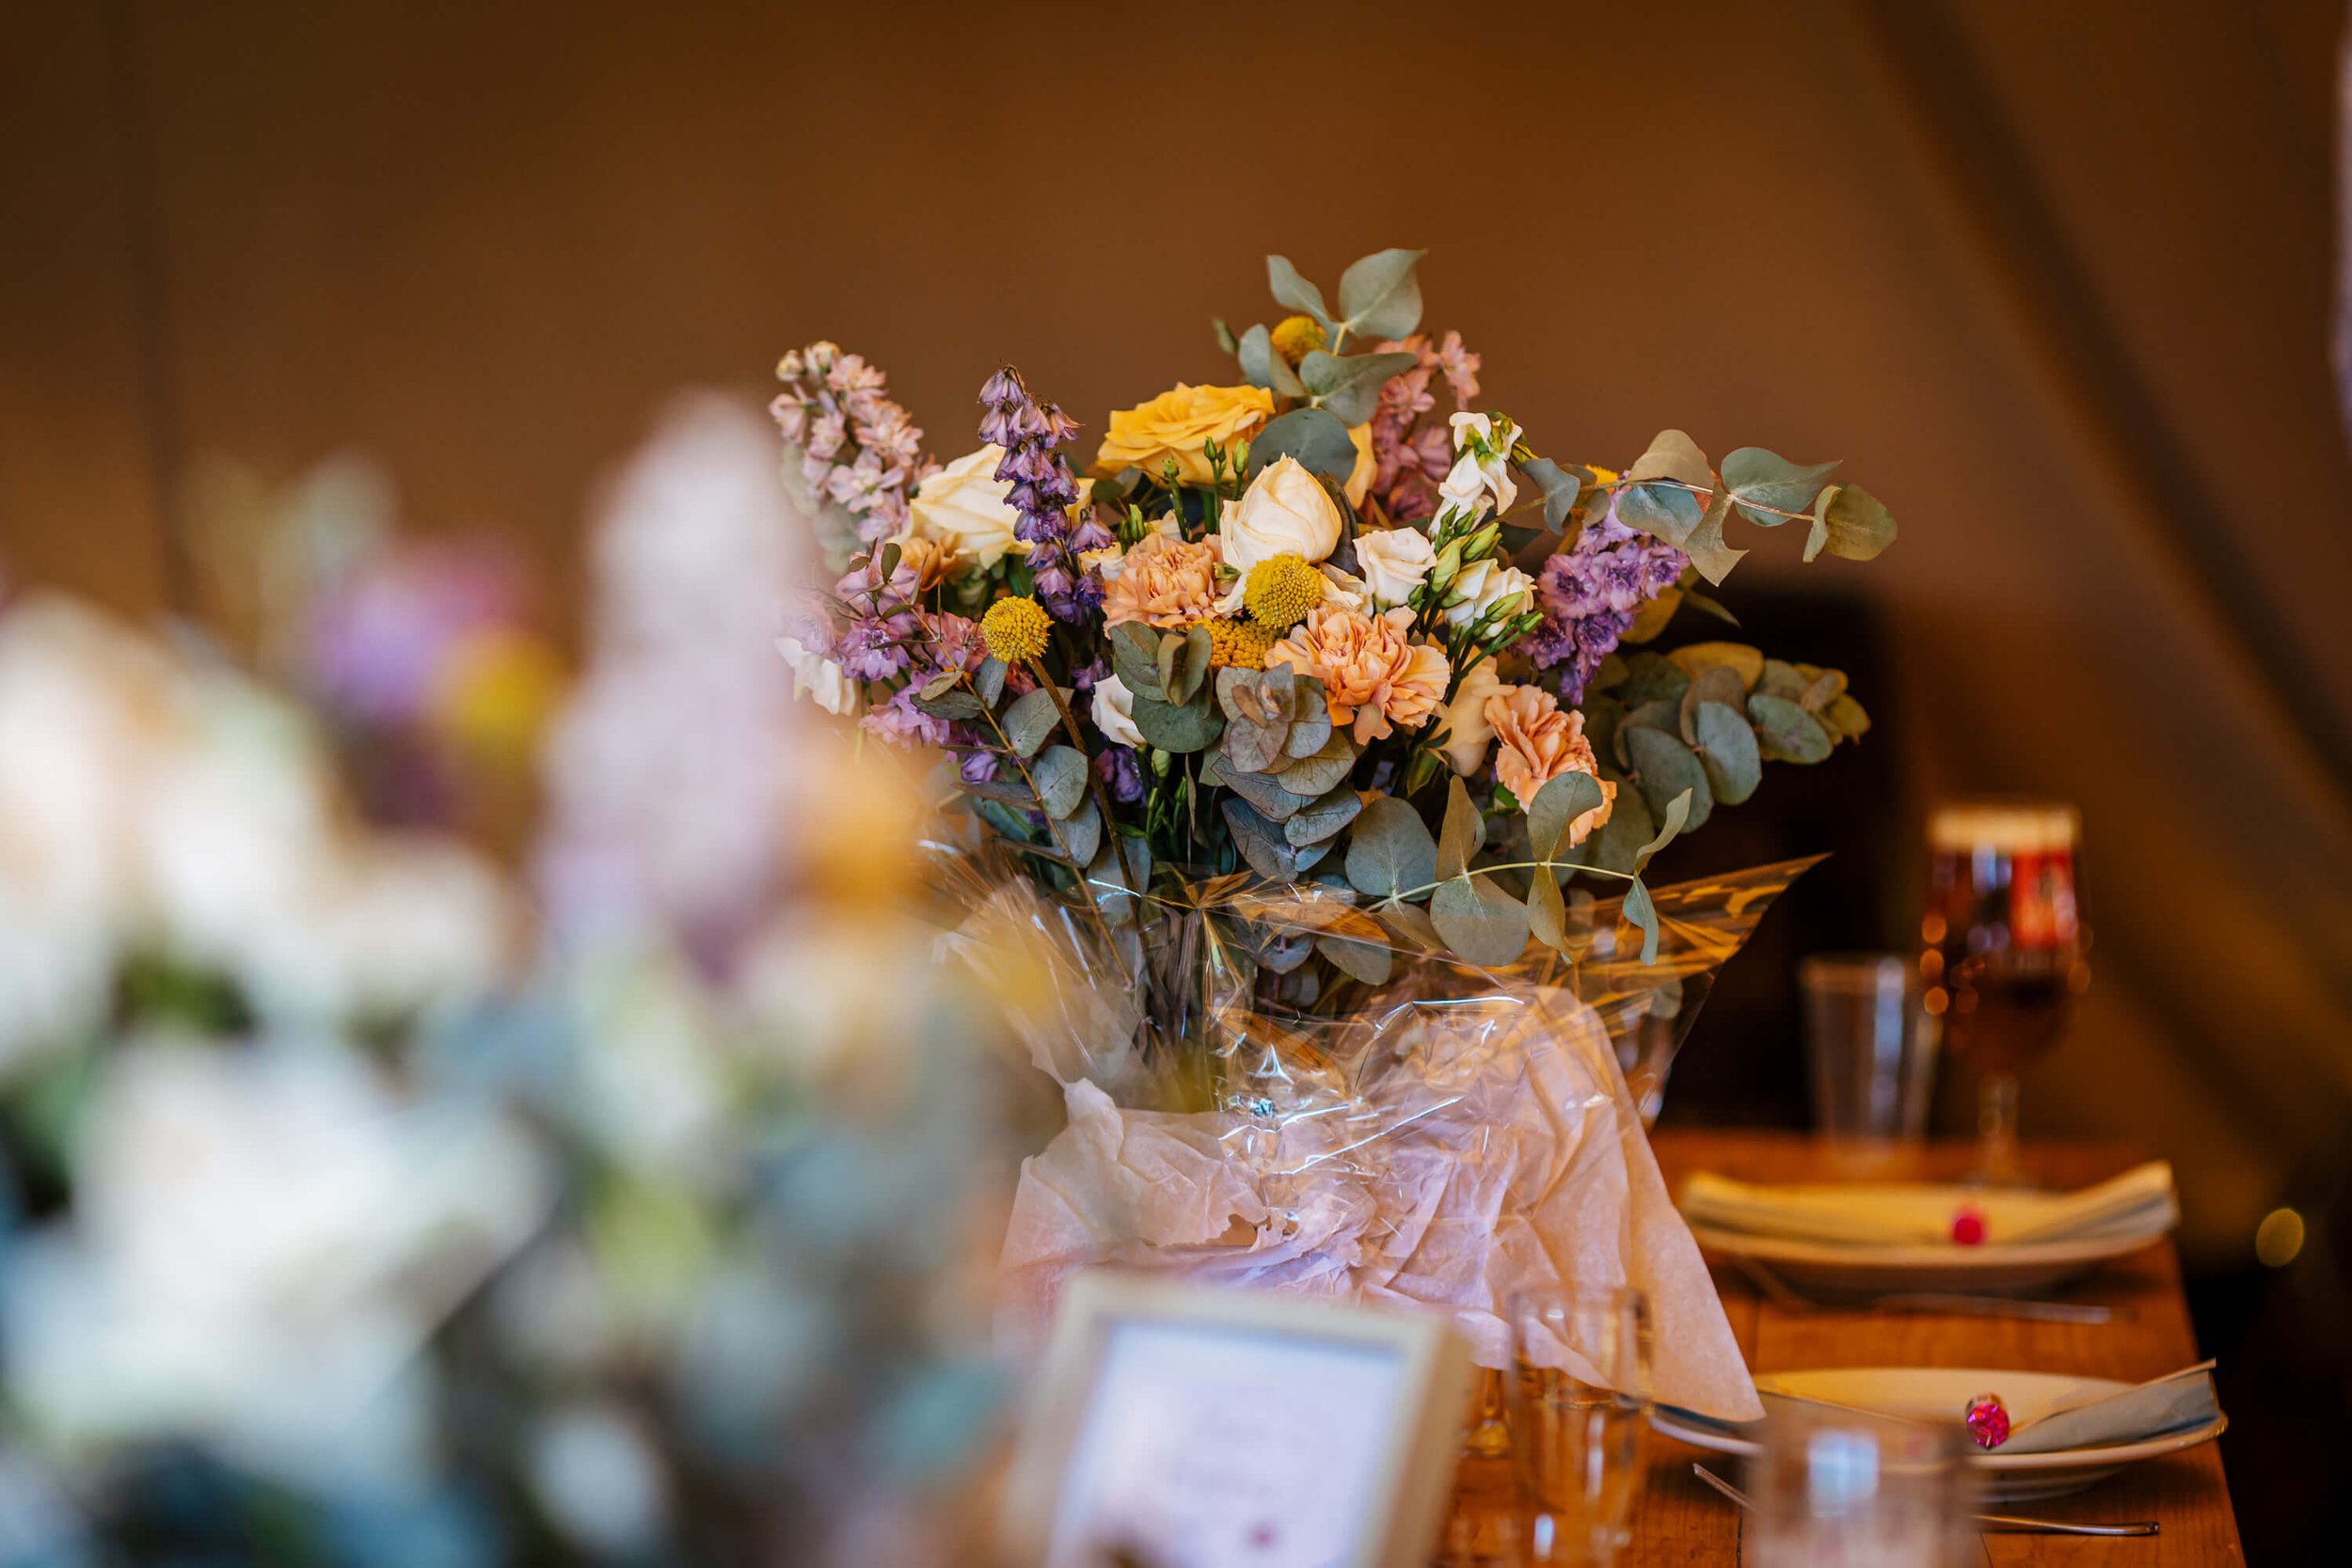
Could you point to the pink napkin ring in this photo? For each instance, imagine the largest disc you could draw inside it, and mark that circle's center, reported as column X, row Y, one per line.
column 1988, row 1420
column 1968, row 1226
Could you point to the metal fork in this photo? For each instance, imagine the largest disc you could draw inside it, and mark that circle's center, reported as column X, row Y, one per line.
column 1781, row 1294
column 2002, row 1522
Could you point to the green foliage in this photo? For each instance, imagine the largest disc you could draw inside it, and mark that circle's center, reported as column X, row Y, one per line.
column 1348, row 387
column 1032, row 717
column 1181, row 728
column 1263, row 367
column 1785, row 731
column 1767, row 488
column 1664, row 768
column 1380, row 294
column 1480, row 922
column 1389, row 852
column 1314, row 437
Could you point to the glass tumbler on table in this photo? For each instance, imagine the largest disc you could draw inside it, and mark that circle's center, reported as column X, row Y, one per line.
column 1872, row 1065
column 1843, row 1489
column 2002, row 948
column 1580, row 1400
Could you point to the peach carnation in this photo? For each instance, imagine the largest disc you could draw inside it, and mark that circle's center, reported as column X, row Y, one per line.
column 1536, row 743
column 1163, row 581
column 1371, row 677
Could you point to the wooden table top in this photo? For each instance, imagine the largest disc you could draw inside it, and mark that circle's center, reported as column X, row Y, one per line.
column 1680, row 1522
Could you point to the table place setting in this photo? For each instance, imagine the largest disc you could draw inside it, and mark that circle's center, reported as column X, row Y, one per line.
column 2037, row 1434
column 1918, row 1236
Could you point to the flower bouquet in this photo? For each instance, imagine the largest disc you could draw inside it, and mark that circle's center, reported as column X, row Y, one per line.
column 1331, row 736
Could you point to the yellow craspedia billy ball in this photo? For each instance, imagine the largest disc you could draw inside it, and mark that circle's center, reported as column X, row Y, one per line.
column 1281, row 589
column 1015, row 630
column 1237, row 644
column 1297, row 337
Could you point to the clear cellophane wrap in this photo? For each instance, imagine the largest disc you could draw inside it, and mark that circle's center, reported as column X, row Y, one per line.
column 1277, row 1086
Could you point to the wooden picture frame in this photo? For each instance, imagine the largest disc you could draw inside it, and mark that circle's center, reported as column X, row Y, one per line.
column 1231, row 1427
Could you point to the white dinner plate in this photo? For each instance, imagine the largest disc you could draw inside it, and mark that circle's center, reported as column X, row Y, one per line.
column 1941, row 1394
column 1921, row 1266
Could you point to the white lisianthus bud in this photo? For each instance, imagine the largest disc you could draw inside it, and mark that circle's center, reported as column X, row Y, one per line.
column 1483, row 585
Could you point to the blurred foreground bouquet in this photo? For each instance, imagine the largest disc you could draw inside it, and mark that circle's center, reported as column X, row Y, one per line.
column 349, row 1222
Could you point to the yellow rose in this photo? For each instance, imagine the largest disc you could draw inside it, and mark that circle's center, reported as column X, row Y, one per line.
column 1176, row 424
column 963, row 506
column 1286, row 511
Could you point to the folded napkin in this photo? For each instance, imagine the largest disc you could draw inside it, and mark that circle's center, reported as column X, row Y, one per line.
column 2138, row 1202
column 2178, row 1401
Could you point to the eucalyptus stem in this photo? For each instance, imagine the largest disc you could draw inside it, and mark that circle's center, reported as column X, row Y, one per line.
column 1094, row 784
column 1512, row 865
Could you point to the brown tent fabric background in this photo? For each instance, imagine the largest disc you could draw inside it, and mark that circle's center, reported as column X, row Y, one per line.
column 2054, row 280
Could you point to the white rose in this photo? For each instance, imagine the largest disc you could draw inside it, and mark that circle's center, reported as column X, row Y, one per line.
column 964, row 505
column 1114, row 711
column 1481, row 585
column 1395, row 562
column 816, row 676
column 1286, row 511
column 1468, row 733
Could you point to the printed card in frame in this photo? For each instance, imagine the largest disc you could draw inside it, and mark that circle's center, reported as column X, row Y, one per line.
column 1194, row 1427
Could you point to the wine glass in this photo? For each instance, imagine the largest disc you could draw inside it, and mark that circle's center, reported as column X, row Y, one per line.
column 1833, row 1488
column 2001, row 949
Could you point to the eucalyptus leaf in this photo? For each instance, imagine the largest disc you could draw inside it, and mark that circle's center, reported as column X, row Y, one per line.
column 1136, row 659
column 1122, row 871
column 951, row 705
column 1263, row 367
column 1668, row 512
column 1555, row 808
column 1285, row 950
column 1847, row 718
column 1224, row 335
column 1192, row 727
column 1716, row 683
column 1713, row 558
column 1620, row 839
column 1295, row 291
column 1350, row 388
column 1559, row 488
column 1547, row 913
column 1314, row 437
column 1785, row 731
column 1310, row 722
column 1659, row 715
column 1602, row 717
column 1827, row 688
column 1030, row 719
column 1727, row 750
column 1850, row 522
column 988, row 680
column 1777, row 677
column 1673, row 455
column 1644, row 914
column 1480, row 922
column 1692, row 658
column 1389, row 851
column 1322, row 818
column 1652, row 678
column 1268, row 798
column 1651, row 620
column 1261, row 842
column 1367, row 962
column 1767, row 487
column 1250, row 747
column 1706, row 606
column 1081, row 835
column 1677, row 819
column 1465, row 831
column 1666, row 768
column 1324, row 770
column 1183, row 664
column 1380, row 296
column 1061, row 776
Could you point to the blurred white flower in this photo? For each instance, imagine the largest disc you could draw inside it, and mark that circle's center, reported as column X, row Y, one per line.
column 600, row 1479
column 262, row 1243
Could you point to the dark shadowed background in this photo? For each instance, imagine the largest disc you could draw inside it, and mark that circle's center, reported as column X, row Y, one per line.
column 2052, row 279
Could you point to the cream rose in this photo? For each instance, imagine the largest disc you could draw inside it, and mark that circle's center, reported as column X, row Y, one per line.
column 962, row 506
column 1483, row 584
column 1468, row 733
column 1178, row 423
column 1286, row 511
column 1115, row 711
column 1394, row 561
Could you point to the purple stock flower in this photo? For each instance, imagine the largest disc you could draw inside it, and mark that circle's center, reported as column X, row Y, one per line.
column 976, row 767
column 871, row 646
column 1121, row 772
column 1590, row 595
column 902, row 723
